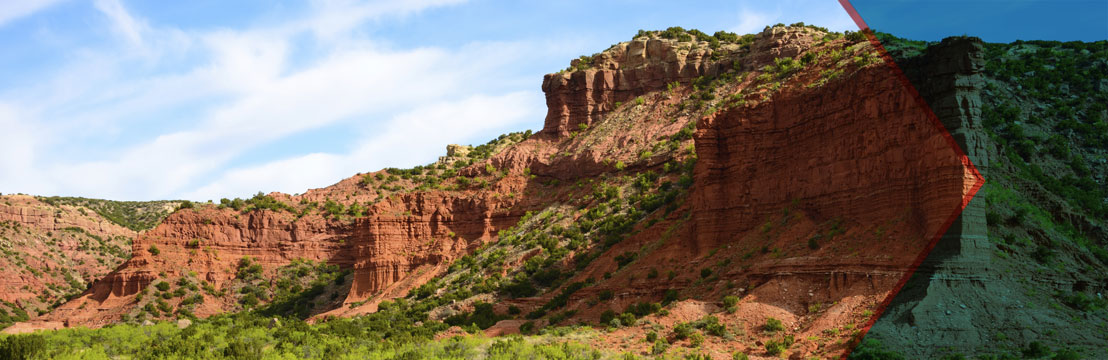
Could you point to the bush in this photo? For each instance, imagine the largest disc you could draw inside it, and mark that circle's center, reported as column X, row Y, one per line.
column 248, row 269
column 527, row 327
column 627, row 319
column 670, row 296
column 682, row 331
column 607, row 316
column 773, row 325
column 1036, row 350
column 153, row 250
column 625, row 258
column 519, row 288
column 775, row 347
column 651, row 337
column 185, row 205
column 705, row 273
column 854, row 36
column 482, row 316
column 641, row 309
column 605, row 295
column 659, row 347
column 162, row 286
column 696, row 339
column 711, row 325
column 22, row 346
column 730, row 300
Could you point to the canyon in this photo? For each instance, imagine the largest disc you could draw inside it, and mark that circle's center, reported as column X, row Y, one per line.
column 803, row 176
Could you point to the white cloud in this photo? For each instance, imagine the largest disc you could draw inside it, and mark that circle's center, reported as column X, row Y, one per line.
column 414, row 137
column 752, row 21
column 13, row 10
column 122, row 22
column 17, row 142
column 243, row 93
column 337, row 17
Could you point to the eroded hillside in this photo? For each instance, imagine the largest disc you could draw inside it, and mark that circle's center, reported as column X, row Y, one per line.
column 757, row 193
column 52, row 253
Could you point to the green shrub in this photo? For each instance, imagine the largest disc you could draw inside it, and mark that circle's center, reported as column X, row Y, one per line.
column 854, row 36
column 730, row 300
column 248, row 269
column 625, row 258
column 482, row 316
column 605, row 295
column 711, row 325
column 659, row 347
column 773, row 325
column 527, row 327
column 162, row 286
column 775, row 347
column 28, row 346
column 627, row 319
column 153, row 250
column 696, row 339
column 670, row 296
column 607, row 316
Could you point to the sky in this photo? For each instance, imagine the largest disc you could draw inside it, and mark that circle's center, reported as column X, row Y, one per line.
column 205, row 99
column 1001, row 21
column 199, row 100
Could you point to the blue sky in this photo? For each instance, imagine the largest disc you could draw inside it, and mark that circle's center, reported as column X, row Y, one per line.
column 991, row 20
column 139, row 100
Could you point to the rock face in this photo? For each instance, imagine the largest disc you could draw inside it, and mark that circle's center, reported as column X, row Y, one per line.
column 50, row 251
column 630, row 69
column 862, row 150
column 207, row 243
column 424, row 232
column 620, row 74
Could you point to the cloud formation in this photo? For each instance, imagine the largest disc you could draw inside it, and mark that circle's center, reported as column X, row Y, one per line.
column 13, row 10
column 244, row 93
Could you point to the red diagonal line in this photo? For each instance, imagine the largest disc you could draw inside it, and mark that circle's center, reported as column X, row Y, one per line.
column 979, row 181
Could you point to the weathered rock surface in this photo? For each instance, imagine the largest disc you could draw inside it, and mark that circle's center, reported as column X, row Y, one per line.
column 52, row 251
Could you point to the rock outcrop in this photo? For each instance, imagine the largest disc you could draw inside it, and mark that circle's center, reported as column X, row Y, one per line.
column 50, row 252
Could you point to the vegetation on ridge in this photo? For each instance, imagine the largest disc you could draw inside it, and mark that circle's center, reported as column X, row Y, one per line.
column 134, row 215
